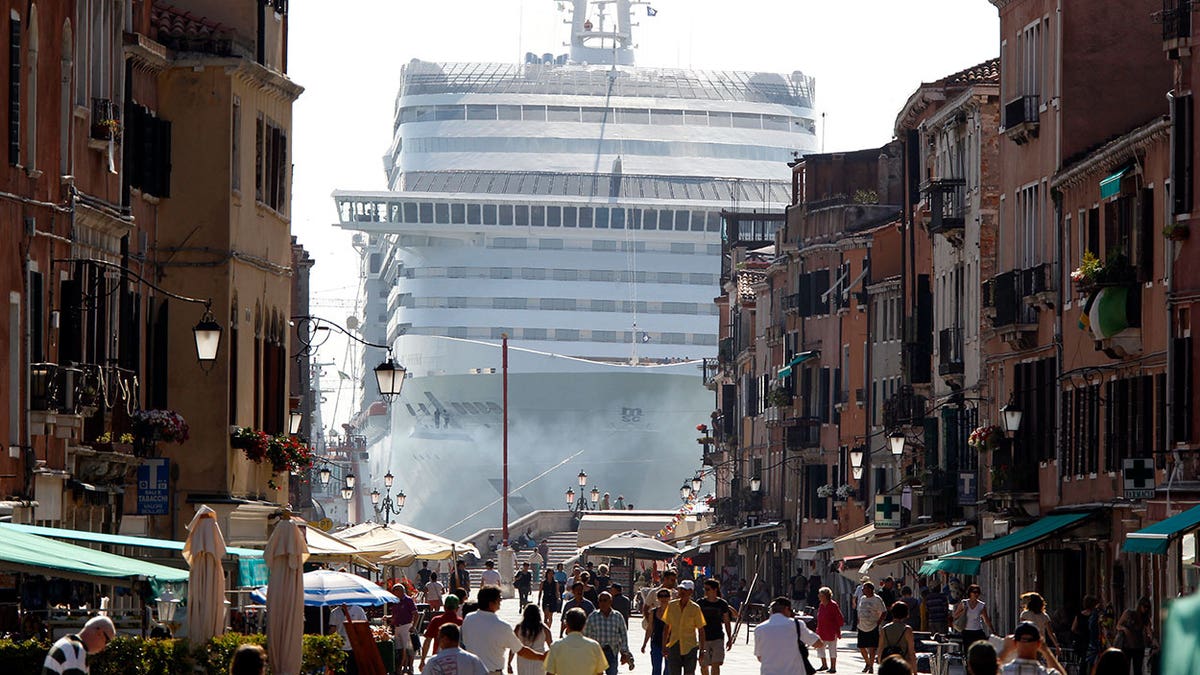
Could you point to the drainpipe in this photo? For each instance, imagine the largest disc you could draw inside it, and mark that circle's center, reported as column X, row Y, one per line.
column 1056, row 196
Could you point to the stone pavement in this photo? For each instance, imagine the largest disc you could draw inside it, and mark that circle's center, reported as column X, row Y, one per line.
column 739, row 660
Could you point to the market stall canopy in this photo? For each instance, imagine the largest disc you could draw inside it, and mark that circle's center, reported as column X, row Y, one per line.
column 633, row 543
column 812, row 552
column 599, row 525
column 326, row 588
column 324, row 547
column 968, row 561
column 1156, row 538
column 723, row 534
column 251, row 569
column 33, row 554
column 400, row 545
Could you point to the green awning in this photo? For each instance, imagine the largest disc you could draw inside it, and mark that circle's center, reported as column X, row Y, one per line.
column 1111, row 186
column 1157, row 537
column 968, row 561
column 786, row 371
column 118, row 539
column 252, row 570
column 33, row 554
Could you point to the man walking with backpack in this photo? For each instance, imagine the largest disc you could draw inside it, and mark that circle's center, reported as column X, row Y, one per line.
column 778, row 641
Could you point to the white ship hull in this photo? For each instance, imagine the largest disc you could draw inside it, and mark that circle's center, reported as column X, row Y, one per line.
column 632, row 429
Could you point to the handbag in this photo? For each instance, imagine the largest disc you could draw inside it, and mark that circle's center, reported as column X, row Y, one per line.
column 960, row 623
column 809, row 669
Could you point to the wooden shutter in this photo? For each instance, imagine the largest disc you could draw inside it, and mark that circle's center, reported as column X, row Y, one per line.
column 14, row 91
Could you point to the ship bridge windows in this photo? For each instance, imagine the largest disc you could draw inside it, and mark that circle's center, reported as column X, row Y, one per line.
column 603, row 115
column 533, row 273
column 566, row 334
column 537, row 216
column 426, row 213
column 601, row 219
column 458, row 214
column 441, row 213
column 489, row 214
column 682, row 220
column 521, row 215
column 585, row 217
column 474, row 214
column 553, row 216
column 506, row 214
column 501, row 273
column 618, row 219
column 550, row 244
column 481, row 112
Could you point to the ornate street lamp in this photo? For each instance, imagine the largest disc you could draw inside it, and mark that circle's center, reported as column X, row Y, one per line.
column 350, row 480
column 685, row 492
column 326, row 474
column 208, row 337
column 295, row 417
column 755, row 484
column 896, row 441
column 347, row 493
column 1011, row 414
column 570, row 497
column 375, row 496
column 388, row 480
column 390, row 378
column 697, row 483
column 595, row 496
column 582, row 479
column 856, row 456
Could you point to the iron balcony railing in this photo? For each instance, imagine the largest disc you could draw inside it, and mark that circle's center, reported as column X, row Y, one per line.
column 1037, row 279
column 1004, row 295
column 1021, row 110
column 1177, row 20
column 947, row 205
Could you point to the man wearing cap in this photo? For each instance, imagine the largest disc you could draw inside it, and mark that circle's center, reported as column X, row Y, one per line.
column 68, row 656
column 1021, row 652
column 449, row 615
column 684, row 631
column 404, row 613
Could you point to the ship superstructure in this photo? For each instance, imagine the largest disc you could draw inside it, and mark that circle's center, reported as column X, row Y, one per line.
column 573, row 203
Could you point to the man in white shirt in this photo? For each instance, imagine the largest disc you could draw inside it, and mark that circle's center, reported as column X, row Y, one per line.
column 776, row 644
column 450, row 659
column 338, row 618
column 486, row 636
column 490, row 576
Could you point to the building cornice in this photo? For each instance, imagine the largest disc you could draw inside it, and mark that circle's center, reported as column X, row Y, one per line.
column 1114, row 153
column 246, row 70
column 146, row 53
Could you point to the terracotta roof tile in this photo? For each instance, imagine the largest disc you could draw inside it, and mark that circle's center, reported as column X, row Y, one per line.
column 983, row 73
column 180, row 29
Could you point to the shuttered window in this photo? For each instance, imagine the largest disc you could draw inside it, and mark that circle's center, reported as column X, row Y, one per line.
column 14, row 91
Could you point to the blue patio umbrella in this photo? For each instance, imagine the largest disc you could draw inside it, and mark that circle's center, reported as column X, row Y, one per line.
column 326, row 588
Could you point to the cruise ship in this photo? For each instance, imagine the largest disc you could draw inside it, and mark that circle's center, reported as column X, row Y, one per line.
column 573, row 203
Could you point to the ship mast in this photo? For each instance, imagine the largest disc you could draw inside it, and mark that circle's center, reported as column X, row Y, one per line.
column 607, row 42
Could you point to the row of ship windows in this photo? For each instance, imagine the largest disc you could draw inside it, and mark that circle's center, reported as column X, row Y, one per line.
column 567, row 335
column 525, row 215
column 544, row 145
column 596, row 115
column 539, row 273
column 674, row 247
column 565, row 304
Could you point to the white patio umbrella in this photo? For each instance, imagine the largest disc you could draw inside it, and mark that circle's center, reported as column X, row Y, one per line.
column 203, row 551
column 285, row 556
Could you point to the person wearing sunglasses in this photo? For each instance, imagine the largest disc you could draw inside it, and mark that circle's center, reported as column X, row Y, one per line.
column 1021, row 652
column 68, row 656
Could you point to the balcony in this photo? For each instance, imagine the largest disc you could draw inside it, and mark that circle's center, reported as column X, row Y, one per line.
column 1176, row 20
column 803, row 434
column 711, row 373
column 905, row 408
column 106, row 120
column 725, row 351
column 950, row 354
column 1037, row 285
column 1013, row 319
column 948, row 208
column 1021, row 118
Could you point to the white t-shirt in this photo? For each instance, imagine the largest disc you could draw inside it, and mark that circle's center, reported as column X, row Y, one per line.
column 776, row 648
column 490, row 577
column 486, row 636
column 454, row 661
column 434, row 589
column 870, row 611
column 337, row 619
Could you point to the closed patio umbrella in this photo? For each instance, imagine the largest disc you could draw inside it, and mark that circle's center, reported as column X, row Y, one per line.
column 285, row 556
column 203, row 551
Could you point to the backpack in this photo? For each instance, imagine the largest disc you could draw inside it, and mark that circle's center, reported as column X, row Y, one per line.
column 890, row 648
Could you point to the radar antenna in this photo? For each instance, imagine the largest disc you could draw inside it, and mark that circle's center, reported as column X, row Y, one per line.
column 608, row 40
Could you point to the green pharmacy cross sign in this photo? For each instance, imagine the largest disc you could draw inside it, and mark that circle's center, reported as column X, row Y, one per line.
column 1138, row 476
column 887, row 511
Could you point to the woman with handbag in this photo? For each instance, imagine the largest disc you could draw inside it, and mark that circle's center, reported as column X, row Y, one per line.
column 1132, row 633
column 896, row 638
column 976, row 617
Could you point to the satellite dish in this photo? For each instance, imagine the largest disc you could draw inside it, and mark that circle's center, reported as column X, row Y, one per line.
column 352, row 322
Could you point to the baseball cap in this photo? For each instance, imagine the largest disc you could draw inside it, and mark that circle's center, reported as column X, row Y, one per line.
column 687, row 585
column 1027, row 629
column 451, row 601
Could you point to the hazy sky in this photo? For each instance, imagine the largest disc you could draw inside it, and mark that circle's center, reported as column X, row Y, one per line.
column 867, row 56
